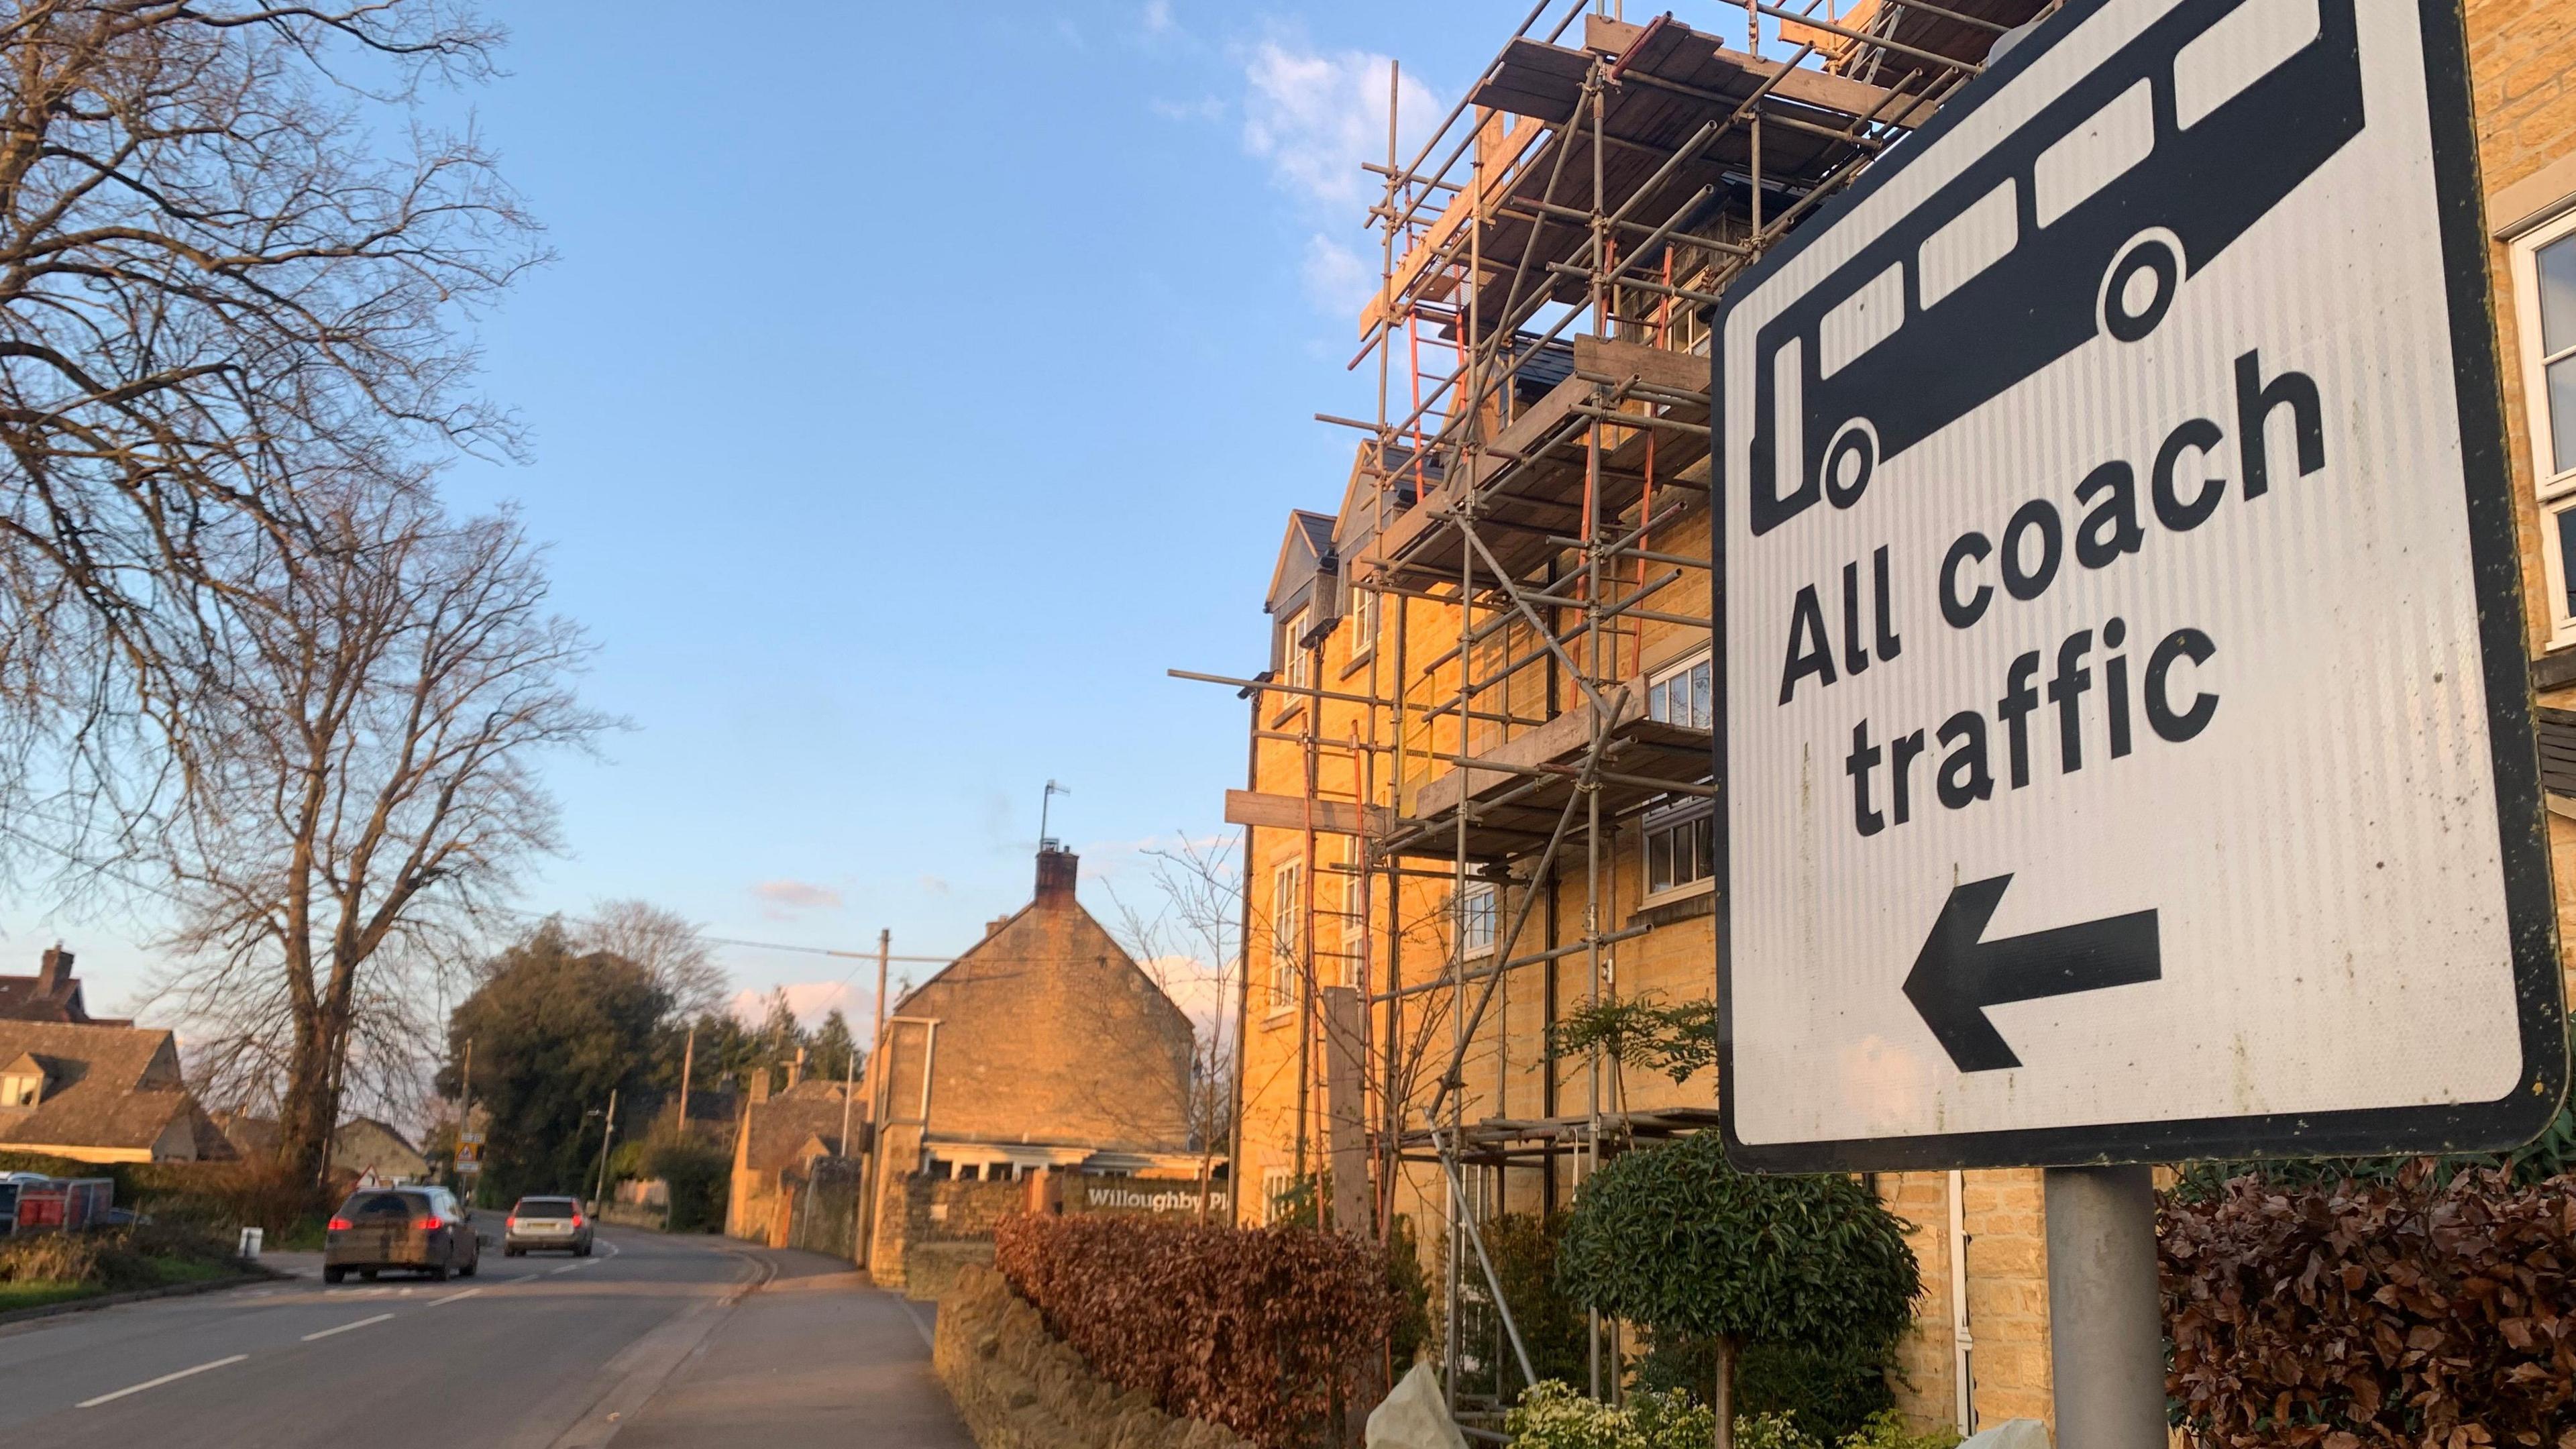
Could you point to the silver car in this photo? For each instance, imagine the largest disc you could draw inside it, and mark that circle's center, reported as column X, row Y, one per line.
column 547, row 1224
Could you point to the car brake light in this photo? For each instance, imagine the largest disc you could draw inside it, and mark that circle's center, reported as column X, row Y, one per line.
column 576, row 1220
column 430, row 1224
column 339, row 1225
column 513, row 1224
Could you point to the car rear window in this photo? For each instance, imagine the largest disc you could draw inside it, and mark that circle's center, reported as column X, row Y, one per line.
column 544, row 1207
column 378, row 1205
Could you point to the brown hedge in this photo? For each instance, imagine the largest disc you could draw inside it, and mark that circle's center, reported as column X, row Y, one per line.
column 2415, row 1312
column 1262, row 1331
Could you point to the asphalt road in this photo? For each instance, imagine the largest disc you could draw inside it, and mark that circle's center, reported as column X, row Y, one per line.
column 533, row 1353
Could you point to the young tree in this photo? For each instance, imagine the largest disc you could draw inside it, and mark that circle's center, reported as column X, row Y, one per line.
column 779, row 1038
column 555, row 1031
column 1675, row 1238
column 232, row 267
column 370, row 786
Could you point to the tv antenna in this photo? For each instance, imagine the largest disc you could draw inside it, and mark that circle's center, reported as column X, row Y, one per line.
column 1046, row 841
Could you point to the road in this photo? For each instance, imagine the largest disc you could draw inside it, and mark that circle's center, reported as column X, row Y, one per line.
column 654, row 1341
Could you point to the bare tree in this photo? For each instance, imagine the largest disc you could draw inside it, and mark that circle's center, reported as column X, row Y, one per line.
column 230, row 269
column 666, row 944
column 368, row 788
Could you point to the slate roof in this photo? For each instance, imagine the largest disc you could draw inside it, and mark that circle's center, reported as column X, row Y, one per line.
column 113, row 1088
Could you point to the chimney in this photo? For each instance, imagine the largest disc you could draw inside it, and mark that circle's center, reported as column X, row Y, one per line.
column 56, row 972
column 1056, row 869
column 796, row 1068
column 994, row 926
column 760, row 1084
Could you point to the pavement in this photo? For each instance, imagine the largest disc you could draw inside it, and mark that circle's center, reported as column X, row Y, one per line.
column 652, row 1341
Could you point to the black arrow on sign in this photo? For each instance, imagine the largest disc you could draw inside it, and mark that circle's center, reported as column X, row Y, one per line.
column 1958, row 976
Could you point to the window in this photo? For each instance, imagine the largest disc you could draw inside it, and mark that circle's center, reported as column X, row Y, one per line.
column 21, row 1089
column 1278, row 1186
column 1677, row 846
column 1680, row 695
column 1479, row 918
column 1678, row 830
column 1287, row 903
column 2544, row 284
column 1363, row 619
column 1295, row 657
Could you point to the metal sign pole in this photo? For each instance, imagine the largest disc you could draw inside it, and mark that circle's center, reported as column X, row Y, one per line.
column 2105, row 1326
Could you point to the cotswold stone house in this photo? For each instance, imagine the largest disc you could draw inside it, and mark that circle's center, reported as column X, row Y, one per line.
column 1045, row 1048
column 100, row 1094
column 782, row 1135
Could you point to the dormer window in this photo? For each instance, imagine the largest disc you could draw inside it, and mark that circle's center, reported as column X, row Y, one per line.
column 22, row 1083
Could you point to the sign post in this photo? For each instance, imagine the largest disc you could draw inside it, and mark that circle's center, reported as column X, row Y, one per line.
column 2125, row 743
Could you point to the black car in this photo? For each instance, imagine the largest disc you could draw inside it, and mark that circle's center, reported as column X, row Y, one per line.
column 417, row 1229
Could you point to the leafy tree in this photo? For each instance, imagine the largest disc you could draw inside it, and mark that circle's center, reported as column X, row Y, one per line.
column 1675, row 1238
column 833, row 1054
column 554, row 1032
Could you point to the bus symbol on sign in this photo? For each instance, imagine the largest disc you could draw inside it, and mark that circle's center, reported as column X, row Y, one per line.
column 2084, row 223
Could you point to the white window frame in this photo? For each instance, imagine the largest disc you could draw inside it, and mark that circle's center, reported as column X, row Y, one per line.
column 2554, row 492
column 1663, row 821
column 1471, row 943
column 21, row 1089
column 1275, row 1183
column 1696, row 665
column 1296, row 663
column 1363, row 619
column 1287, row 906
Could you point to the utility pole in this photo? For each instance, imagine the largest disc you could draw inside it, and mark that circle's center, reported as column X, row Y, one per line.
column 465, row 1124
column 885, row 943
column 688, row 1063
column 608, row 1130
column 849, row 1081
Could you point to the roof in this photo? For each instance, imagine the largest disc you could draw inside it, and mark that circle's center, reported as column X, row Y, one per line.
column 1304, row 553
column 20, row 1000
column 115, row 1088
column 776, row 1132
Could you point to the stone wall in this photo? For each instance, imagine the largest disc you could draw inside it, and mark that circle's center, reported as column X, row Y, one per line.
column 1018, row 1387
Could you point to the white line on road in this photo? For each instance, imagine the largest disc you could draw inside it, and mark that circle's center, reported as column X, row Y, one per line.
column 345, row 1327
column 156, row 1383
column 452, row 1297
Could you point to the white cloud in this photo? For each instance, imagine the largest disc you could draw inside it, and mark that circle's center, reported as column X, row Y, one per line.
column 933, row 885
column 1157, row 18
column 1337, row 277
column 1316, row 117
column 782, row 899
column 811, row 1001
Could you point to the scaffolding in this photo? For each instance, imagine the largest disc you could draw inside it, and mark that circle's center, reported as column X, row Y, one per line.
column 1549, row 260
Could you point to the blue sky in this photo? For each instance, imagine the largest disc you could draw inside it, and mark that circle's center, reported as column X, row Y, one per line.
column 913, row 388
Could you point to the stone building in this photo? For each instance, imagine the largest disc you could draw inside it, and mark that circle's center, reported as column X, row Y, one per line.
column 781, row 1137
column 1043, row 1049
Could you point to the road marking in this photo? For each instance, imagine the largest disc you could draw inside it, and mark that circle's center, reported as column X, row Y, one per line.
column 566, row 1268
column 156, row 1383
column 345, row 1327
column 452, row 1297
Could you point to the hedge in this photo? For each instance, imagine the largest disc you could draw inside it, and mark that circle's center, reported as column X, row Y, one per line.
column 2406, row 1312
column 1268, row 1332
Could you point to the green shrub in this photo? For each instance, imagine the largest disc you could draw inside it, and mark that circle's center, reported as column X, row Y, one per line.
column 1675, row 1238
column 1886, row 1430
column 697, row 1176
column 1551, row 1415
column 1524, row 1249
column 1831, row 1389
column 1412, row 1287
column 1773, row 1431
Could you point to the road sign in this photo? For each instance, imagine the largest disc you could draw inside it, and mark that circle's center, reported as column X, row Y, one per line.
column 2125, row 738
